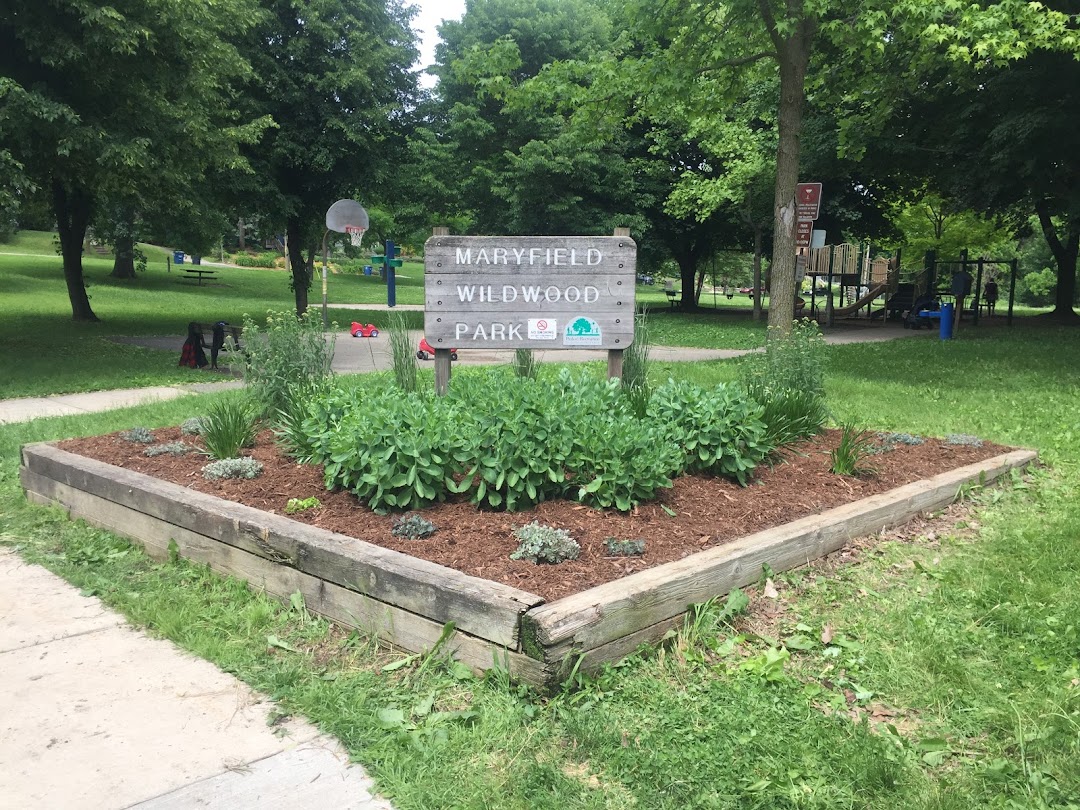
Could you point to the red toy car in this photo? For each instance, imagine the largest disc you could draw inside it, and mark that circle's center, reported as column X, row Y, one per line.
column 425, row 351
column 364, row 330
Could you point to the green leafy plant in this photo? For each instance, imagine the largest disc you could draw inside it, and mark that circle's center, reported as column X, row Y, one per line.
column 221, row 469
column 170, row 448
column 624, row 548
column 280, row 354
column 544, row 544
column 295, row 505
column 412, row 527
column 850, row 455
column 719, row 430
column 229, row 425
column 139, row 435
column 402, row 353
column 964, row 440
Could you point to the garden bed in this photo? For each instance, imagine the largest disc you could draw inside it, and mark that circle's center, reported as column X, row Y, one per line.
column 703, row 537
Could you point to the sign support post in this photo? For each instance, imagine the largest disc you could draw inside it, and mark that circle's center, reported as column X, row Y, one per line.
column 615, row 356
column 442, row 356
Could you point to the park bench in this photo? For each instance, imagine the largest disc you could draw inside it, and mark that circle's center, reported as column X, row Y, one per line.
column 198, row 275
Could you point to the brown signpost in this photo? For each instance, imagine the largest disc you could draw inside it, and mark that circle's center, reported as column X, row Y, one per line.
column 807, row 200
column 529, row 292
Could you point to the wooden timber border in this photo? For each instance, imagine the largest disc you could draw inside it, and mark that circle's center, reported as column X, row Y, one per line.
column 407, row 601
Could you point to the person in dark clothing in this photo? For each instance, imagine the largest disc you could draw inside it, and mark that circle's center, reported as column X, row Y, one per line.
column 990, row 295
column 961, row 289
column 218, row 342
column 192, row 355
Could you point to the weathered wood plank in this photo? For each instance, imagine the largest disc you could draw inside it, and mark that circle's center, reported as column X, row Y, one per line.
column 609, row 612
column 503, row 292
column 341, row 605
column 486, row 609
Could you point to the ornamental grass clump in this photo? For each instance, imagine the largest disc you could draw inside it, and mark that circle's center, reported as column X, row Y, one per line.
column 229, row 426
column 856, row 445
column 402, row 353
column 788, row 380
column 225, row 468
column 544, row 544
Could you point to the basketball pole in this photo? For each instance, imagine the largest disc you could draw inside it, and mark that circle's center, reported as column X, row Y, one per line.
column 325, row 320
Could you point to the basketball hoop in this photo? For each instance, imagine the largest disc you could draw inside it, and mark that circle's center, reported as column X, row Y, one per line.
column 356, row 234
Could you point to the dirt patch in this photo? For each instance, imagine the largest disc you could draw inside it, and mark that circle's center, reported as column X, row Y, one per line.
column 707, row 512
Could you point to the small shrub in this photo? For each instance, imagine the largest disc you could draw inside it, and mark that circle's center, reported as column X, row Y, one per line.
column 172, row 448
column 284, row 352
column 963, row 439
column 192, row 426
column 624, row 548
column 295, row 505
column 544, row 544
column 260, row 260
column 229, row 425
column 850, row 455
column 139, row 435
column 402, row 353
column 221, row 469
column 412, row 527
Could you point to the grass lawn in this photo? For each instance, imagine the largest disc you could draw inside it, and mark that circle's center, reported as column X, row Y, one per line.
column 950, row 678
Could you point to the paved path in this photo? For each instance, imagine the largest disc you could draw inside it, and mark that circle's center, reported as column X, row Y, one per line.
column 95, row 714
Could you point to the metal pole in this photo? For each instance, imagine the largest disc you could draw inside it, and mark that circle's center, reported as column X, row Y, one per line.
column 391, row 279
column 978, row 288
column 325, row 320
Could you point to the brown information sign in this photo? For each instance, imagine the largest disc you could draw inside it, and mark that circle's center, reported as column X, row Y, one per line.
column 807, row 200
column 803, row 232
column 533, row 292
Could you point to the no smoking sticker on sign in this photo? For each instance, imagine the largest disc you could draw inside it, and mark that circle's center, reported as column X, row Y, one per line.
column 542, row 329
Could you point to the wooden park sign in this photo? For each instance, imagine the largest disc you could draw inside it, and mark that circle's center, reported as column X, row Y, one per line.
column 529, row 292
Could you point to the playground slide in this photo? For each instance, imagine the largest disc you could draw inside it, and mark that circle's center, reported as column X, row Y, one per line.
column 855, row 306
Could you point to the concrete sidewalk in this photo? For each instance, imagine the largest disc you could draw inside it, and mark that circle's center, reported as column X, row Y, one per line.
column 97, row 715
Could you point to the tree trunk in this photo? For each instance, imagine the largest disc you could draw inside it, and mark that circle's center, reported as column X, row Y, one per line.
column 688, row 275
column 72, row 208
column 1065, row 255
column 793, row 55
column 124, row 253
column 240, row 233
column 300, row 280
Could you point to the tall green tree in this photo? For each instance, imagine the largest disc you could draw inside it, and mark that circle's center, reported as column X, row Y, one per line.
column 334, row 76
column 118, row 100
column 715, row 36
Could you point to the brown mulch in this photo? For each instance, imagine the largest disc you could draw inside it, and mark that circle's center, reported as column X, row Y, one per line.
column 708, row 511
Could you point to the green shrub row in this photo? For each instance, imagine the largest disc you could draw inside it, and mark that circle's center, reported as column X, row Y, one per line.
column 259, row 260
column 511, row 442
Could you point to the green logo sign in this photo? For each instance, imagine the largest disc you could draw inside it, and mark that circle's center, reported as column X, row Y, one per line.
column 582, row 331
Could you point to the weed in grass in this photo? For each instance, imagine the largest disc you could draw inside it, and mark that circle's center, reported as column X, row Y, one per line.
column 850, row 455
column 229, row 425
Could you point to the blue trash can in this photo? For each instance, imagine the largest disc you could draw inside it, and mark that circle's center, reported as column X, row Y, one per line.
column 178, row 257
column 367, row 270
column 946, row 321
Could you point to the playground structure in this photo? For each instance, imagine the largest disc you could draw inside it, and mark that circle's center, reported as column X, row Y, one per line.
column 845, row 280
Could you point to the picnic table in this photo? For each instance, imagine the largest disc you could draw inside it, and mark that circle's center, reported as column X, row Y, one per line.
column 198, row 274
